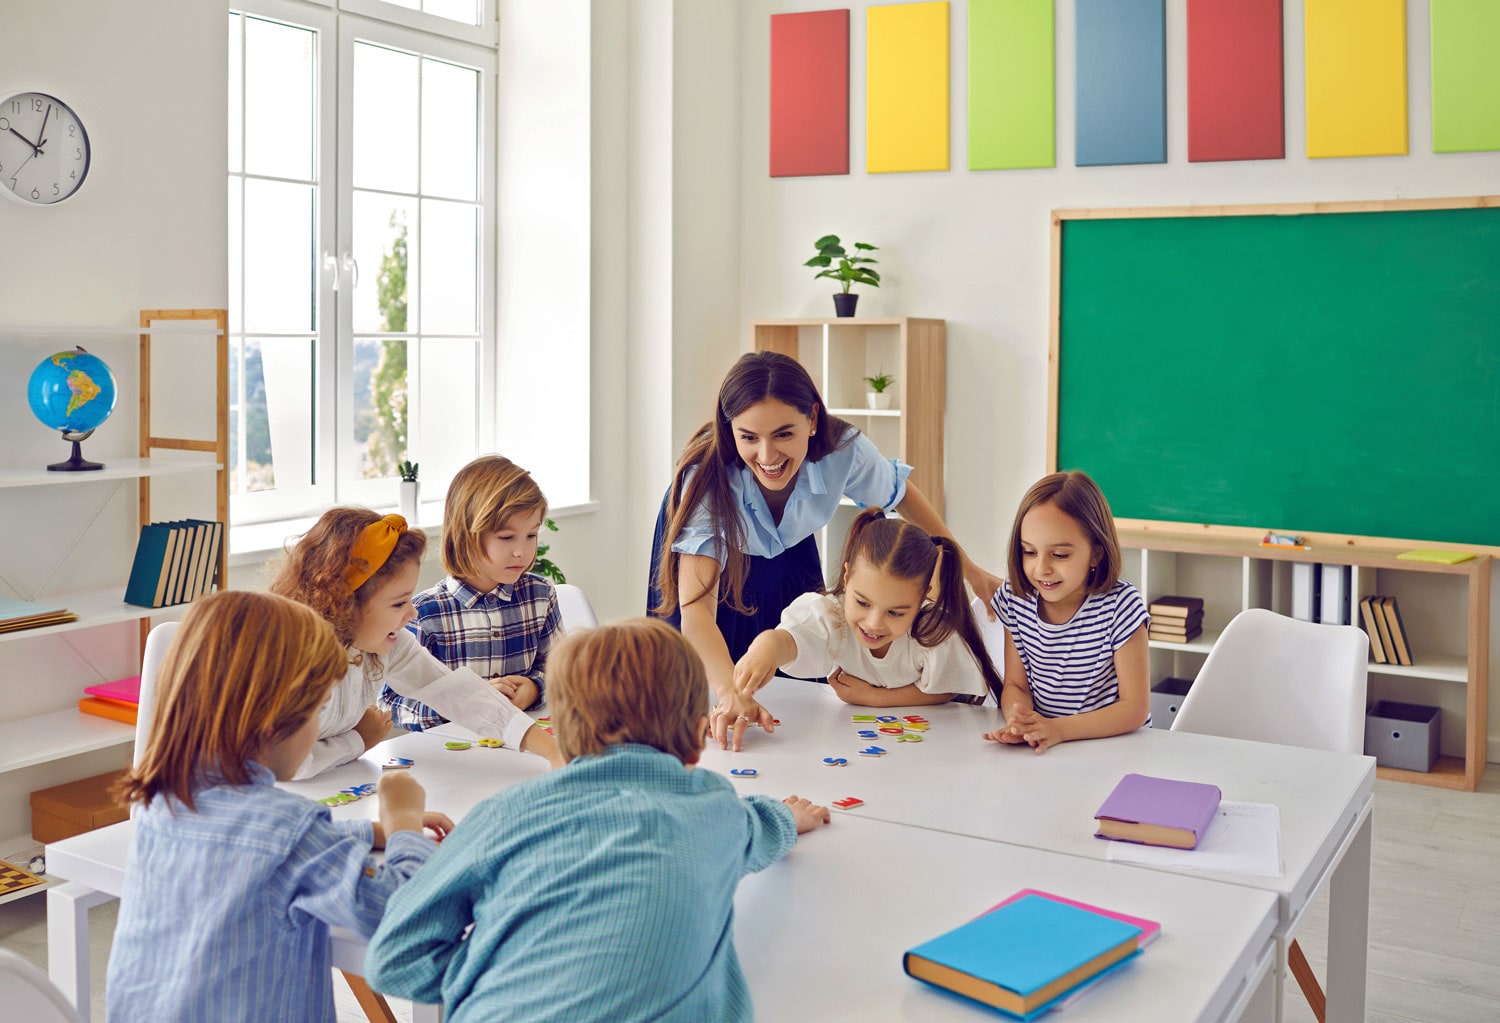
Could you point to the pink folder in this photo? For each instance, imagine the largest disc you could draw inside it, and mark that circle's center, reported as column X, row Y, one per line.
column 126, row 690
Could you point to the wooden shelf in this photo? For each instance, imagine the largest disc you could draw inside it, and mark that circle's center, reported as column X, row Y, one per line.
column 1447, row 773
column 114, row 469
column 63, row 733
column 99, row 607
column 851, row 412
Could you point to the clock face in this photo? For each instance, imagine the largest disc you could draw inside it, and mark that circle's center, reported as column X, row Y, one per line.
column 44, row 151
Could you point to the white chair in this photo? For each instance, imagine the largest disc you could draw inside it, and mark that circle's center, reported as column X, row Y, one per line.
column 993, row 634
column 28, row 995
column 1275, row 679
column 157, row 642
column 573, row 604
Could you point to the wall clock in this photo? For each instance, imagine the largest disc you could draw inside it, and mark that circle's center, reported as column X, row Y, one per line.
column 44, row 150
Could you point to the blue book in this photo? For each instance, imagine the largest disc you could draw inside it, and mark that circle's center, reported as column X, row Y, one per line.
column 1025, row 955
column 148, row 574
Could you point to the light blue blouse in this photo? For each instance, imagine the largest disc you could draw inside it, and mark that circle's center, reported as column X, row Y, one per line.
column 856, row 470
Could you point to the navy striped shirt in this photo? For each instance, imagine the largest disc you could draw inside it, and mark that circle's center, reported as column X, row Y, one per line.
column 1071, row 667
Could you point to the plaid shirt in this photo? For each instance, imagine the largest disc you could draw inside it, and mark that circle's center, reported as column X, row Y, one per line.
column 506, row 631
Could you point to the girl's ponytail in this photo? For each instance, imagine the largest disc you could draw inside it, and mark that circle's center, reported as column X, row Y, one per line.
column 949, row 612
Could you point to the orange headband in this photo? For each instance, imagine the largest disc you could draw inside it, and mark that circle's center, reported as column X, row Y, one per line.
column 372, row 549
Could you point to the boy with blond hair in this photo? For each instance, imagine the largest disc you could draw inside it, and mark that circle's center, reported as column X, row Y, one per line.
column 605, row 889
column 490, row 613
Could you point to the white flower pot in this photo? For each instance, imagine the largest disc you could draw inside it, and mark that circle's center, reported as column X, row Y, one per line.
column 409, row 500
column 878, row 400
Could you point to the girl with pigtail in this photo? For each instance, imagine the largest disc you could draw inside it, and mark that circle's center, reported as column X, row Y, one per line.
column 884, row 635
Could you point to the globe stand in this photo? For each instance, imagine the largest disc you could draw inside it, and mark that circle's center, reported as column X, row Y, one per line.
column 76, row 463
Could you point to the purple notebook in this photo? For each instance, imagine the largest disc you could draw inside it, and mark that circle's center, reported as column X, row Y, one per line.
column 126, row 690
column 1186, row 806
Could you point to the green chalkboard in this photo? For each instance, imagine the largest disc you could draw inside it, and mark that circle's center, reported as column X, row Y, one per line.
column 1321, row 372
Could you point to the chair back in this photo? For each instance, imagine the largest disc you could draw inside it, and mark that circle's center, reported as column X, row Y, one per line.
column 1270, row 678
column 28, row 995
column 573, row 604
column 157, row 642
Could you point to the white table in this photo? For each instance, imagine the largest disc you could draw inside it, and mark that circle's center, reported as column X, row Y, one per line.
column 955, row 782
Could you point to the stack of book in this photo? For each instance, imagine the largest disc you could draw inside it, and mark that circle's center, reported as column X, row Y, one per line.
column 118, row 701
column 175, row 562
column 1176, row 619
column 1031, row 953
column 1387, row 634
column 25, row 614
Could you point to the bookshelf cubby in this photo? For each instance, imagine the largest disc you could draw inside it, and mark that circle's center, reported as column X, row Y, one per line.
column 1445, row 609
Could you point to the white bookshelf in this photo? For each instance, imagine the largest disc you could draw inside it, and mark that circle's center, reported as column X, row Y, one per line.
column 115, row 469
column 64, row 733
column 1445, row 609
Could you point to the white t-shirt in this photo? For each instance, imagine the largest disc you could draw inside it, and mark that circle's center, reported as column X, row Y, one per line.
column 825, row 641
column 456, row 693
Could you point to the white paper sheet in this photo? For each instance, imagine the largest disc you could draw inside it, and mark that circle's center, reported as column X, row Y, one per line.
column 1244, row 838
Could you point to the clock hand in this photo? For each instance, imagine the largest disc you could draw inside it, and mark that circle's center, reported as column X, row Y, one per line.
column 40, row 132
column 35, row 149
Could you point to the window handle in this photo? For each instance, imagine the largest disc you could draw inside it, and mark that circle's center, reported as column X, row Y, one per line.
column 351, row 266
column 331, row 264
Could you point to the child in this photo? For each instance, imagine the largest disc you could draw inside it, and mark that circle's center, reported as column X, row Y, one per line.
column 359, row 571
column 604, row 890
column 876, row 636
column 490, row 613
column 233, row 883
column 1076, row 661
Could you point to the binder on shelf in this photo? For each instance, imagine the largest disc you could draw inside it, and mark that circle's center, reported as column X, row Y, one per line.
column 1366, row 612
column 150, row 572
column 1333, row 598
column 1305, row 588
column 1397, row 630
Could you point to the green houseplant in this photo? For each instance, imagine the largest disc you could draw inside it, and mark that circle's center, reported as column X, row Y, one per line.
column 543, row 565
column 407, row 470
column 848, row 270
column 876, row 396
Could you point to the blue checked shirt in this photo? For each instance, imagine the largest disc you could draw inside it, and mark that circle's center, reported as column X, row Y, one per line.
column 226, row 908
column 600, row 891
column 506, row 631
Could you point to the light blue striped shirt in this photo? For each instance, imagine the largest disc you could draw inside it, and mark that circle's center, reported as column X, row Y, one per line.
column 1071, row 667
column 856, row 470
column 601, row 891
column 226, row 908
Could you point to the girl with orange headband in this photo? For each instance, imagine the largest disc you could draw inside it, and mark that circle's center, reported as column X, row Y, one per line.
column 359, row 571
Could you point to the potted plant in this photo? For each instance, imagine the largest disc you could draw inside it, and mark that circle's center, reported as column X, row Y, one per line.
column 408, row 472
column 876, row 397
column 850, row 270
column 543, row 565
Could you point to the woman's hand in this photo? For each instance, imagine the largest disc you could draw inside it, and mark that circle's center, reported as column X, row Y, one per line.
column 984, row 585
column 738, row 711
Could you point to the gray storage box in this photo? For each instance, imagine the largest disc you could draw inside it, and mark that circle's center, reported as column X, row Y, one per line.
column 1166, row 698
column 1403, row 735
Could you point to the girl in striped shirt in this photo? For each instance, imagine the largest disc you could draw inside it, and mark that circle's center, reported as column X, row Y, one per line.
column 1076, row 664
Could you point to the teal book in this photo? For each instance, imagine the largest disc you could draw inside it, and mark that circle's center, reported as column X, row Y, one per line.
column 1025, row 955
column 153, row 552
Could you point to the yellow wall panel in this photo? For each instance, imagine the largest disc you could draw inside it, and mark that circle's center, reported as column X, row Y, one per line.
column 906, row 88
column 1356, row 77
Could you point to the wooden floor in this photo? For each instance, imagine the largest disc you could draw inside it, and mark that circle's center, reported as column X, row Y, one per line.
column 1434, row 914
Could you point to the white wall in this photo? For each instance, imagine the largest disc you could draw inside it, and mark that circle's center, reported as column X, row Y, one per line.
column 973, row 248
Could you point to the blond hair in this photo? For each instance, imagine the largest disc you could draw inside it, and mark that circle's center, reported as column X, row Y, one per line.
column 484, row 495
column 244, row 671
column 1078, row 497
column 635, row 680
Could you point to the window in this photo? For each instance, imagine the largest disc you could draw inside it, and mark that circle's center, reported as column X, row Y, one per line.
column 361, row 249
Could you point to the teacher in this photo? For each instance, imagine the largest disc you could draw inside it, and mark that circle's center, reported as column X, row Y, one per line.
column 735, row 538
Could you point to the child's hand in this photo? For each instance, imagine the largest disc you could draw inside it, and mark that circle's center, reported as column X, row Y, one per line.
column 402, row 801
column 373, row 726
column 440, row 824
column 757, row 665
column 1009, row 734
column 518, row 689
column 808, row 816
column 1036, row 730
column 849, row 688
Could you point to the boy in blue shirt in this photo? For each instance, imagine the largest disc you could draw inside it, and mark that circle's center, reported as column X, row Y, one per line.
column 605, row 889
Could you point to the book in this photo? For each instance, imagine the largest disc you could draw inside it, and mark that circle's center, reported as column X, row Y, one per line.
column 179, row 559
column 1383, row 629
column 1436, row 557
column 1333, row 601
column 1022, row 956
column 1305, row 585
column 1192, row 621
column 1377, row 649
column 124, row 690
column 108, row 709
column 1158, row 811
column 25, row 614
column 1150, row 929
column 1175, row 607
column 1397, row 630
column 1174, row 637
column 148, row 573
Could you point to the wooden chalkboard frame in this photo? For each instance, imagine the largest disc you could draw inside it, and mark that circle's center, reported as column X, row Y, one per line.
column 1201, row 529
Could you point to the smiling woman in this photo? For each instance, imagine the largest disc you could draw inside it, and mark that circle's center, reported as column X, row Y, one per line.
column 734, row 541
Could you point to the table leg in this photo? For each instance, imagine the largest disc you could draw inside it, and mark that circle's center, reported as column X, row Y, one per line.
column 376, row 1008
column 1349, row 929
column 68, row 908
column 423, row 1013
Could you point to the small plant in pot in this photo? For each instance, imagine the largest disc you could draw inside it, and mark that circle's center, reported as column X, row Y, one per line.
column 876, row 396
column 837, row 264
column 408, row 472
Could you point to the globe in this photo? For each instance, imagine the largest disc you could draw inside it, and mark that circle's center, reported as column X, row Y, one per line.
column 72, row 392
